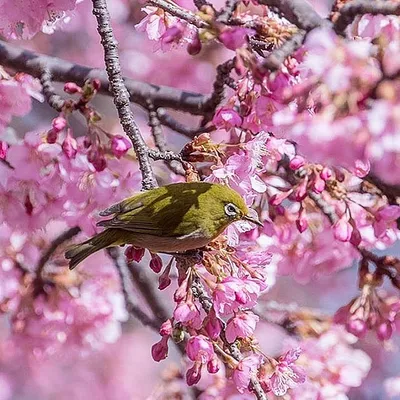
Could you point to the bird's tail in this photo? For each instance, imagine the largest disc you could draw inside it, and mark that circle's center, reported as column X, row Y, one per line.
column 77, row 253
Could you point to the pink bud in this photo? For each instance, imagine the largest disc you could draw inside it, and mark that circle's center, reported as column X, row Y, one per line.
column 96, row 84
column 296, row 163
column 194, row 47
column 159, row 350
column 193, row 374
column 173, row 34
column 134, row 253
column 69, row 146
column 241, row 297
column 213, row 326
column 357, row 327
column 355, row 238
column 326, row 174
column 3, row 150
column 52, row 136
column 100, row 164
column 213, row 366
column 71, row 88
column 362, row 168
column 87, row 142
column 156, row 263
column 384, row 331
column 301, row 191
column 318, row 185
column 166, row 328
column 120, row 145
column 301, row 222
column 181, row 292
column 342, row 229
column 164, row 280
column 59, row 124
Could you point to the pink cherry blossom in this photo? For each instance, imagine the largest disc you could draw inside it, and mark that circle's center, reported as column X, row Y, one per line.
column 243, row 372
column 241, row 325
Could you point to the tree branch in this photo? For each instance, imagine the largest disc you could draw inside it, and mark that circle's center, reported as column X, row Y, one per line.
column 179, row 12
column 53, row 100
column 58, row 241
column 33, row 63
column 359, row 7
column 126, row 284
column 120, row 93
column 298, row 12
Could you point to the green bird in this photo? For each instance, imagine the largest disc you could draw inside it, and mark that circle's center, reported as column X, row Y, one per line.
column 170, row 219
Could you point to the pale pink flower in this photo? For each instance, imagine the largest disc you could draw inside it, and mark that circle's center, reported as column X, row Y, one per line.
column 242, row 325
column 287, row 374
column 392, row 387
column 226, row 118
column 199, row 348
column 246, row 369
column 120, row 145
column 342, row 229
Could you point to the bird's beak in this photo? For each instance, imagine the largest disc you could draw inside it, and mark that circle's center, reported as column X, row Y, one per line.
column 254, row 220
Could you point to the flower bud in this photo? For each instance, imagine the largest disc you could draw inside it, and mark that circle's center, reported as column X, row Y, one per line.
column 357, row 327
column 52, row 136
column 342, row 229
column 71, row 88
column 213, row 365
column 301, row 222
column 159, row 350
column 194, row 47
column 384, row 331
column 58, row 124
column 301, row 191
column 193, row 374
column 3, row 150
column 166, row 328
column 213, row 326
column 326, row 174
column 120, row 145
column 69, row 146
column 96, row 84
column 156, row 263
column 100, row 164
column 164, row 280
column 296, row 163
column 134, row 253
column 318, row 185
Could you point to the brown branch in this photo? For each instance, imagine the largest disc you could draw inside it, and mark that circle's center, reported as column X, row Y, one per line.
column 126, row 285
column 360, row 7
column 120, row 93
column 53, row 100
column 33, row 63
column 226, row 13
column 179, row 12
column 298, row 12
column 58, row 241
column 171, row 123
column 147, row 288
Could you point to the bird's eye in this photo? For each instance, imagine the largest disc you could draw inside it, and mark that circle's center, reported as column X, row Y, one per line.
column 231, row 210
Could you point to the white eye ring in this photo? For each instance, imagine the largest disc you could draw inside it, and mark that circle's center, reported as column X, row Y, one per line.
column 231, row 210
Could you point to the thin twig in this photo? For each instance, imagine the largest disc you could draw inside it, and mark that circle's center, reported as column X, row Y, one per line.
column 120, row 93
column 32, row 63
column 58, row 241
column 180, row 12
column 171, row 123
column 127, row 289
column 227, row 11
column 54, row 100
column 360, row 7
column 222, row 79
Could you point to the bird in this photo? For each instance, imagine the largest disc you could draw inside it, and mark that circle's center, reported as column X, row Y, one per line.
column 174, row 218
